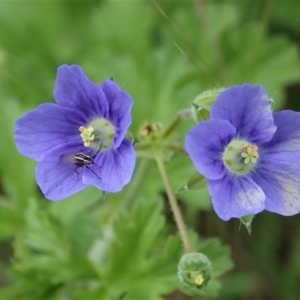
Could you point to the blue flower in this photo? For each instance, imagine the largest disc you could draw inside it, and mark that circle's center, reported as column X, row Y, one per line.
column 80, row 140
column 249, row 155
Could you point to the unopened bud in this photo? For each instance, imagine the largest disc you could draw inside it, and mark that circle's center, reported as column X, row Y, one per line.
column 201, row 105
column 194, row 271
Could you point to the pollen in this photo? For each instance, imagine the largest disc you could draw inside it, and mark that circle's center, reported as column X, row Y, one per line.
column 249, row 153
column 87, row 135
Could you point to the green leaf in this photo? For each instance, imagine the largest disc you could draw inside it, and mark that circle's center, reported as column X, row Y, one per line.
column 135, row 257
column 49, row 253
column 11, row 219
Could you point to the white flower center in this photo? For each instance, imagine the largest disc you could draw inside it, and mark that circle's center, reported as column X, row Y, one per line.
column 240, row 157
column 98, row 134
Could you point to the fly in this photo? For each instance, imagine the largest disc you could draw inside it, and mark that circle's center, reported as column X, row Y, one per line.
column 83, row 160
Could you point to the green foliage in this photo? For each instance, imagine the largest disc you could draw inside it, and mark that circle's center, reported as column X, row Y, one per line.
column 107, row 261
column 123, row 246
column 137, row 258
column 128, row 255
column 49, row 254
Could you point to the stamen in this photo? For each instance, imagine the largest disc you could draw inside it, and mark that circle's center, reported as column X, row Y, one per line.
column 240, row 157
column 249, row 153
column 87, row 135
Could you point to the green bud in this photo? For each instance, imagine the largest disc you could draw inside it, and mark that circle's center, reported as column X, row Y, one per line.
column 199, row 113
column 194, row 271
column 201, row 105
column 150, row 131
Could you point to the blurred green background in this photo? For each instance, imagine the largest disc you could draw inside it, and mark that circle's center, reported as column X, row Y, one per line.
column 163, row 53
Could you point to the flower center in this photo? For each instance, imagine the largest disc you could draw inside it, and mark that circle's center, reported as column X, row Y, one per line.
column 98, row 134
column 240, row 157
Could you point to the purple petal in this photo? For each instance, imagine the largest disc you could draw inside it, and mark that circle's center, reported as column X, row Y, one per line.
column 236, row 197
column 285, row 145
column 74, row 89
column 205, row 144
column 279, row 170
column 46, row 127
column 57, row 176
column 248, row 109
column 120, row 104
column 114, row 168
column 281, row 183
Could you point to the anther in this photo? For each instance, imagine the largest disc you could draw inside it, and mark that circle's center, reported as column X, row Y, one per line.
column 249, row 153
column 87, row 135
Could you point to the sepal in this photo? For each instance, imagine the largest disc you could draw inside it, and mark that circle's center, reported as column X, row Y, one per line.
column 247, row 222
column 194, row 182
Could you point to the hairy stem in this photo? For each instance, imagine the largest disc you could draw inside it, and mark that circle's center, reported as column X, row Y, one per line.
column 174, row 206
column 184, row 114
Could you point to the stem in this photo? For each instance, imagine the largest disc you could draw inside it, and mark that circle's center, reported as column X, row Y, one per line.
column 146, row 146
column 184, row 114
column 174, row 206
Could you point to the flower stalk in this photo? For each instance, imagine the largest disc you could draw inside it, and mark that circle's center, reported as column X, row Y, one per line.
column 174, row 206
column 184, row 114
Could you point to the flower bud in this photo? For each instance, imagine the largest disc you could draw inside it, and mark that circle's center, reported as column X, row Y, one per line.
column 201, row 105
column 194, row 271
column 199, row 113
column 150, row 131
